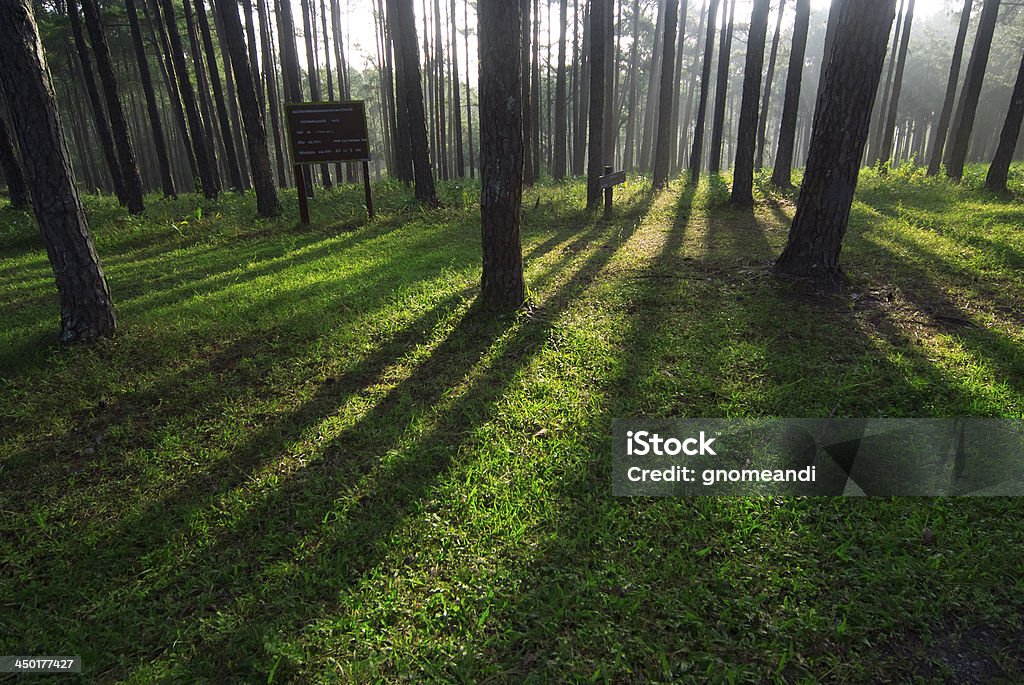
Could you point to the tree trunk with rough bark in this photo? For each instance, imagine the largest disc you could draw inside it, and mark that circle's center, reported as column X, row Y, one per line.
column 17, row 191
column 595, row 156
column 86, row 309
column 746, row 142
column 963, row 122
column 762, row 124
column 702, row 99
column 782, row 173
column 1000, row 167
column 840, row 132
column 942, row 128
column 267, row 203
column 662, row 148
column 501, row 153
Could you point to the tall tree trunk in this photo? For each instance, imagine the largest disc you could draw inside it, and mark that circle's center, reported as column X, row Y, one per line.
column 782, row 174
column 702, row 99
column 401, row 13
column 313, row 73
column 99, row 113
column 403, row 138
column 17, row 191
column 159, row 142
column 721, row 91
column 229, row 95
column 534, row 100
column 118, row 122
column 762, row 124
column 86, row 310
column 611, row 119
column 205, row 161
column 526, row 8
column 629, row 159
column 651, row 108
column 963, row 122
column 596, row 161
column 460, row 159
column 662, row 149
column 561, row 109
column 837, row 144
column 579, row 147
column 684, row 130
column 501, row 153
column 677, row 94
column 1000, row 167
column 267, row 203
column 889, row 126
column 881, row 104
column 746, row 139
column 273, row 104
column 206, row 106
column 942, row 128
column 469, row 93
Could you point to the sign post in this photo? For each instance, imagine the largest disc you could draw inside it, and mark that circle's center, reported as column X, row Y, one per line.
column 606, row 183
column 328, row 132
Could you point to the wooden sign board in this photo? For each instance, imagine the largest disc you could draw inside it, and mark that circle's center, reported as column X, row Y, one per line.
column 610, row 180
column 328, row 131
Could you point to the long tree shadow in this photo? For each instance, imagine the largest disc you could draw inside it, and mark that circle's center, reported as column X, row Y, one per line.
column 354, row 455
column 694, row 589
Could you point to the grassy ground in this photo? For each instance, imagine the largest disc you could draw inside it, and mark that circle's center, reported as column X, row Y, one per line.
column 308, row 456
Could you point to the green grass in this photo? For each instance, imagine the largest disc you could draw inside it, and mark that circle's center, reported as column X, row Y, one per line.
column 308, row 456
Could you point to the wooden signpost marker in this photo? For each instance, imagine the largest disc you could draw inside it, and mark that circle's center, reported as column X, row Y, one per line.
column 606, row 183
column 327, row 132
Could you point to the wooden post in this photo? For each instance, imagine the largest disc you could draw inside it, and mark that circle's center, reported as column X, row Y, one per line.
column 366, row 187
column 300, row 188
column 607, row 195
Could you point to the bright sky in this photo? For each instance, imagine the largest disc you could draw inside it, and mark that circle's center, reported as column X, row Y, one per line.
column 358, row 23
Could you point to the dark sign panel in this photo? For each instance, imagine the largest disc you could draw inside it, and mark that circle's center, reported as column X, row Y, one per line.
column 328, row 131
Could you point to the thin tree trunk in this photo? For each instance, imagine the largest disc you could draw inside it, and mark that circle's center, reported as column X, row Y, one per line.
column 963, row 122
column 402, row 14
column 17, row 191
column 1000, row 167
column 942, row 128
column 782, row 174
column 746, row 139
column 205, row 161
column 596, row 160
column 662, row 149
column 159, row 142
column 651, row 108
column 86, row 310
column 889, row 127
column 721, row 92
column 561, row 110
column 267, row 203
column 99, row 113
column 762, row 124
column 273, row 105
column 460, row 158
column 629, row 154
column 702, row 99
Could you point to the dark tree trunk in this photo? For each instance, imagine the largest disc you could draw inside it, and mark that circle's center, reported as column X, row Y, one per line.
column 254, row 57
column 579, row 151
column 267, row 203
column 314, row 76
column 534, row 157
column 837, row 143
column 501, row 153
column 881, row 104
column 889, row 126
column 403, row 19
column 233, row 117
column 1000, row 168
column 273, row 104
column 762, row 124
column 155, row 24
column 86, row 310
column 651, row 107
column 526, row 10
column 159, row 142
column 835, row 8
column 460, row 158
column 561, row 110
column 721, row 92
column 206, row 106
column 403, row 138
column 746, row 139
column 942, row 128
column 596, row 161
column 684, row 130
column 17, row 191
column 629, row 158
column 118, row 122
column 469, row 93
column 610, row 117
column 963, row 122
column 783, row 171
column 96, row 103
column 204, row 156
column 677, row 94
column 662, row 148
column 702, row 99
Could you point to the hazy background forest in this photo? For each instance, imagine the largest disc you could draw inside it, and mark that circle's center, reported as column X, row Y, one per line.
column 359, row 41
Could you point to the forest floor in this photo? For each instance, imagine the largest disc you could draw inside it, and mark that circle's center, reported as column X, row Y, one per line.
column 308, row 456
